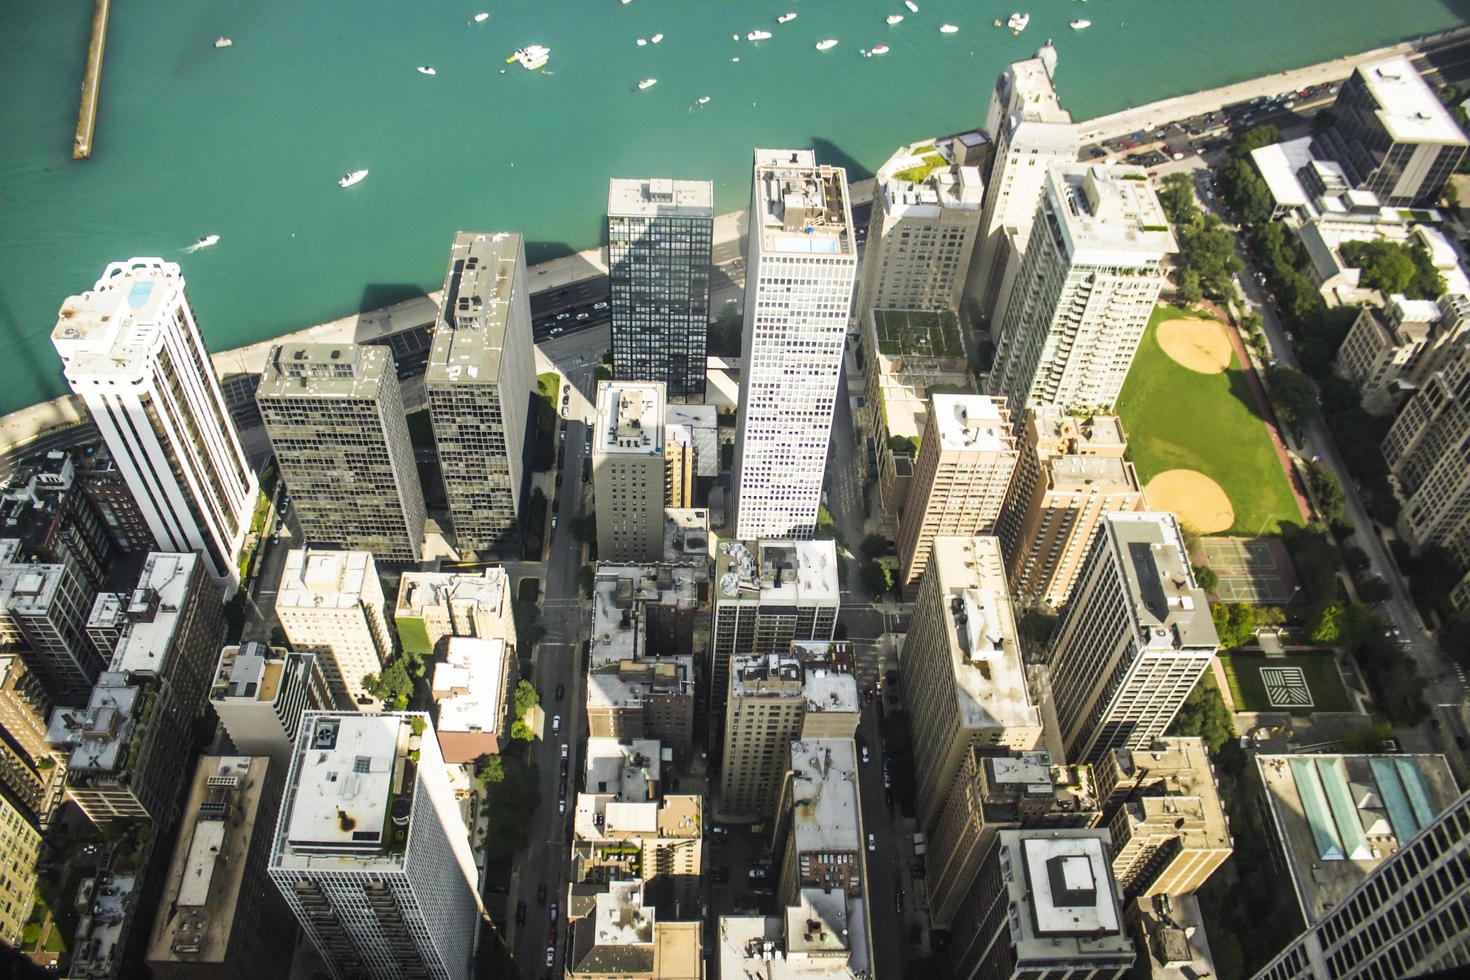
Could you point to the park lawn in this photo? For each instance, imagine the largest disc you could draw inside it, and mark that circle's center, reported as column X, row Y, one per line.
column 1242, row 674
column 1176, row 418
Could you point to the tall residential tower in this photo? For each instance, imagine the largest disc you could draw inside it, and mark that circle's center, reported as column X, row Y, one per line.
column 628, row 470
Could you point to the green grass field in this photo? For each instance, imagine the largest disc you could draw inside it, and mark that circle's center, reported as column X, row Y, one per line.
column 1242, row 673
column 1179, row 419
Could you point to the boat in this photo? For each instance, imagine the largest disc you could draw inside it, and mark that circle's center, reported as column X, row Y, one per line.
column 204, row 242
column 1018, row 22
column 426, row 70
column 735, row 60
column 703, row 100
column 948, row 29
column 913, row 7
column 655, row 39
column 647, row 83
column 531, row 57
column 757, row 35
column 895, row 19
column 642, row 41
column 1080, row 25
column 879, row 49
column 827, row 45
column 222, row 42
column 356, row 177
column 785, row 18
column 482, row 16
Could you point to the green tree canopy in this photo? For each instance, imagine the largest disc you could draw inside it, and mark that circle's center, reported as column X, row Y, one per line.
column 1293, row 396
column 1234, row 624
column 1205, row 578
column 877, row 577
column 1343, row 625
column 1204, row 715
column 526, row 698
column 1327, row 488
column 1395, row 267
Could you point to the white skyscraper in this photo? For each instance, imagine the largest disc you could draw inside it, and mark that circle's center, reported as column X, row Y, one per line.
column 132, row 352
column 370, row 851
column 1031, row 131
column 801, row 264
column 1087, row 287
column 331, row 603
column 260, row 695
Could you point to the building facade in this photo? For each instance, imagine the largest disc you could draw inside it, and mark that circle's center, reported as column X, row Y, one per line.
column 963, row 472
column 20, row 850
column 764, row 709
column 43, row 615
column 801, row 265
column 628, row 475
column 1388, row 352
column 335, row 417
column 330, row 603
column 1133, row 641
column 132, row 351
column 435, row 605
column 658, row 250
column 260, row 694
column 1087, row 286
column 479, row 380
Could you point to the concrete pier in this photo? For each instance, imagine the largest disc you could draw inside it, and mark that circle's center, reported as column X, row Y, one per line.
column 81, row 147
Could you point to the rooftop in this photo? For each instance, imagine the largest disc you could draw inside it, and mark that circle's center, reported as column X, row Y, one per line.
column 1407, row 106
column 249, row 672
column 628, row 683
column 1066, row 900
column 601, row 816
column 478, row 312
column 488, row 592
column 686, row 533
column 985, row 653
column 803, row 208
column 1174, row 942
column 619, row 594
column 1109, row 214
column 653, row 197
column 109, row 611
column 1169, row 610
column 754, row 947
column 115, row 328
column 348, row 371
column 1059, row 433
column 826, row 820
column 630, row 419
column 779, row 572
column 154, row 609
column 197, row 911
column 766, row 675
column 1338, row 817
column 1032, row 88
column 1014, row 785
column 325, row 579
column 972, row 423
column 628, row 769
column 703, row 424
column 918, row 333
column 469, row 686
column 827, row 690
column 621, row 933
column 29, row 589
column 100, row 734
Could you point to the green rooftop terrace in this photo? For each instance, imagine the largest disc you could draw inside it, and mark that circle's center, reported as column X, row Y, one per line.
column 918, row 333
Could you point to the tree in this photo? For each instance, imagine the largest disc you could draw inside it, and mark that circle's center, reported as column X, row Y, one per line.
column 521, row 731
column 1384, row 265
column 874, row 545
column 1254, row 139
column 526, row 698
column 527, row 616
column 1204, row 715
column 1343, row 625
column 586, row 579
column 877, row 578
column 1371, row 590
column 584, row 528
column 1454, row 638
column 1189, row 292
column 1234, row 624
column 1293, row 396
column 1176, row 194
column 826, row 524
column 1205, row 578
column 394, row 686
column 1327, row 488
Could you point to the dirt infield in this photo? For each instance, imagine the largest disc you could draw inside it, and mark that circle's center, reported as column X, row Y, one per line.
column 1196, row 498
column 1198, row 344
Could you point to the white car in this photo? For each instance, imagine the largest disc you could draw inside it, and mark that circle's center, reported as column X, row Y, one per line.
column 872, row 843
column 550, row 955
column 564, row 750
column 599, row 306
column 865, row 753
column 555, row 723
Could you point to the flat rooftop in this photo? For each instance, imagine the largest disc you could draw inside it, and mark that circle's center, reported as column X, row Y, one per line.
column 115, row 328
column 469, row 686
column 627, row 769
column 324, row 579
column 1080, row 473
column 802, row 208
column 766, row 675
column 660, row 197
column 918, row 333
column 827, row 690
column 985, row 653
column 249, row 672
column 824, row 788
column 1109, row 213
column 630, row 682
column 1338, row 817
column 221, row 819
column 601, row 816
column 99, row 734
column 619, row 593
column 1168, row 608
column 630, row 419
column 29, row 590
column 418, row 592
column 153, row 611
column 1061, row 882
column 971, row 423
column 703, row 424
column 1032, row 87
column 778, row 571
column 1407, row 106
column 346, row 371
column 478, row 312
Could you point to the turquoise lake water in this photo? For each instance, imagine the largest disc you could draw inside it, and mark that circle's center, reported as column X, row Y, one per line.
column 248, row 142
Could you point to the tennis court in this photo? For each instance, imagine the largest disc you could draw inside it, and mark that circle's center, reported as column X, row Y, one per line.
column 1254, row 570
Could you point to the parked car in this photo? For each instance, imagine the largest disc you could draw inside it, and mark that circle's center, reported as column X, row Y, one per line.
column 565, row 750
column 550, row 955
column 872, row 843
column 865, row 753
column 521, row 913
column 759, row 873
column 551, row 912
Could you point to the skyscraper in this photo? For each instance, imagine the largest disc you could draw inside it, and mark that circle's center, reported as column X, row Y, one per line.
column 628, row 470
column 260, row 694
column 1031, row 132
column 43, row 614
column 20, row 850
column 371, row 853
column 800, row 267
column 765, row 708
column 964, row 469
column 479, row 379
column 962, row 669
column 658, row 259
column 921, row 237
column 1133, row 641
column 1087, row 287
column 335, row 417
column 331, row 603
column 132, row 351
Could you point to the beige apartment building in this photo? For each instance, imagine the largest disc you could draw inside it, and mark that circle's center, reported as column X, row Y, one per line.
column 331, row 603
column 628, row 474
column 1388, row 352
column 962, row 669
column 614, row 935
column 434, row 605
column 659, row 842
column 20, row 849
column 965, row 464
column 1070, row 473
column 1426, row 450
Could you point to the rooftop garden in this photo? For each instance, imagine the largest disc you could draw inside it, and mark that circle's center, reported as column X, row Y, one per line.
column 919, row 332
column 930, row 160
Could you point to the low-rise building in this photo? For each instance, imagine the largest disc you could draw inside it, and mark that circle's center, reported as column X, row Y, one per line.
column 657, row 842
column 642, row 611
column 615, row 935
column 433, row 605
column 471, row 690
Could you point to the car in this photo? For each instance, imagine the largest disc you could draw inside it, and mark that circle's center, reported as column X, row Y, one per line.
column 600, row 306
column 551, row 912
column 584, row 315
column 561, row 789
column 872, row 843
column 759, row 873
column 566, row 387
column 565, row 767
column 541, row 894
column 898, row 902
column 887, row 779
column 561, row 691
column 550, row 955
column 521, row 912
column 561, row 806
column 566, row 751
column 1289, row 338
column 553, row 522
column 865, row 748
column 558, row 479
column 563, row 316
column 555, row 723
column 562, row 436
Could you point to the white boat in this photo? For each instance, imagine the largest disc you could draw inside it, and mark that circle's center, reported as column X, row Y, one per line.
column 655, row 39
column 1018, row 22
column 356, row 177
column 482, row 16
column 948, row 29
column 531, row 57
column 757, row 35
column 827, row 45
column 913, row 7
column 735, row 60
column 1081, row 25
column 703, row 100
column 426, row 70
column 642, row 42
column 204, row 242
column 647, row 83
column 879, row 49
column 222, row 42
column 785, row 18
column 895, row 19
